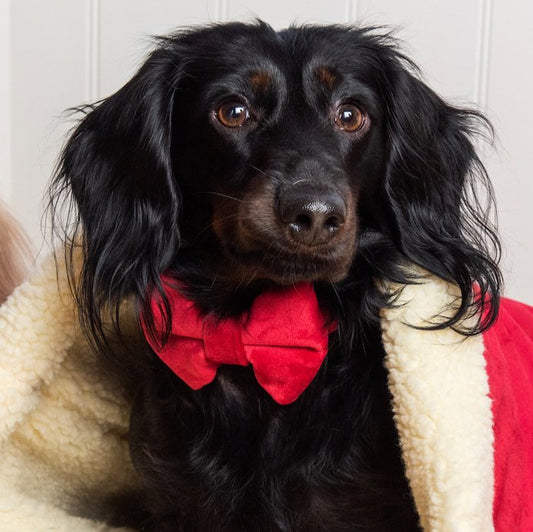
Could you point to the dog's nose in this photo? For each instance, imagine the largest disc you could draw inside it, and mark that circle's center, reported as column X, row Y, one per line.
column 313, row 216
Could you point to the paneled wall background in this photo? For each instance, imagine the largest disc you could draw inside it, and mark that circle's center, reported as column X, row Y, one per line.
column 59, row 53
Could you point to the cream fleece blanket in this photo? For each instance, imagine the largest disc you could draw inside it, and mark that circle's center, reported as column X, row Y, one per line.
column 63, row 427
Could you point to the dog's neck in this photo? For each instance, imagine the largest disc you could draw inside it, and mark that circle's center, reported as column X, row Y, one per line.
column 223, row 288
column 216, row 287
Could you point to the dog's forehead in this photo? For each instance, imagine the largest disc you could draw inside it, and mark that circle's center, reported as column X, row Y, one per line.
column 290, row 53
column 258, row 60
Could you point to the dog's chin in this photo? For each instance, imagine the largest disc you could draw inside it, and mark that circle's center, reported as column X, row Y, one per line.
column 286, row 268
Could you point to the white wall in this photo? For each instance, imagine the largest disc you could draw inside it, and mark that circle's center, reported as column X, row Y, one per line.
column 5, row 101
column 61, row 53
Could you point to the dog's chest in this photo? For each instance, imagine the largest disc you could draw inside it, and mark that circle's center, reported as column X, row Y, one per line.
column 330, row 461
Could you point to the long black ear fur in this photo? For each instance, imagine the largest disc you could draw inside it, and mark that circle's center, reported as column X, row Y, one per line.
column 438, row 194
column 117, row 166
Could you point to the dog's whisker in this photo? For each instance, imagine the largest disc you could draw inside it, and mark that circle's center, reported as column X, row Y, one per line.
column 209, row 226
column 266, row 174
column 219, row 194
column 252, row 277
column 335, row 290
column 299, row 181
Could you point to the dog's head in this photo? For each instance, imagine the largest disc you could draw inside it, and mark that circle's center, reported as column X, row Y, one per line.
column 274, row 138
column 249, row 155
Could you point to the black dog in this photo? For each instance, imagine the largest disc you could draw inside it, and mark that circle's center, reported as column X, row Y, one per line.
column 239, row 159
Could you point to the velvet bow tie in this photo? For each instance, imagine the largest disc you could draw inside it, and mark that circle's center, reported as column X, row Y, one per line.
column 284, row 337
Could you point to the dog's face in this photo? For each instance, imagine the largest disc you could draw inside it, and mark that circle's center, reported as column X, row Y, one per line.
column 274, row 141
column 241, row 154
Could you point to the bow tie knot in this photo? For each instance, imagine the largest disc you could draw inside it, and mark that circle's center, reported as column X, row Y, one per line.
column 223, row 342
column 284, row 337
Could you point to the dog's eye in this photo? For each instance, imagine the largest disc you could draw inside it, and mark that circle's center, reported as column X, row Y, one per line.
column 233, row 114
column 349, row 117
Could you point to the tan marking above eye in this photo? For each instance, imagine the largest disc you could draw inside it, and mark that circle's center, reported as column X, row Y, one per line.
column 260, row 80
column 326, row 76
column 349, row 117
column 233, row 114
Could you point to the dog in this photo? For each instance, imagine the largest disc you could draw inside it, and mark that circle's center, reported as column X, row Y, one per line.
column 241, row 161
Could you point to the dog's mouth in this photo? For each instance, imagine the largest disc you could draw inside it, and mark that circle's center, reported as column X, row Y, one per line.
column 286, row 266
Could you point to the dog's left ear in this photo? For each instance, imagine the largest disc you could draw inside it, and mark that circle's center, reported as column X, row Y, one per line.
column 117, row 168
column 433, row 189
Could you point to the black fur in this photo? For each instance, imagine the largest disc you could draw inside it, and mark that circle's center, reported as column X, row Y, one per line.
column 160, row 184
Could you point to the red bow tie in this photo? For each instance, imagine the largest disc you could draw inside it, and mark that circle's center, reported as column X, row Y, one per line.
column 284, row 336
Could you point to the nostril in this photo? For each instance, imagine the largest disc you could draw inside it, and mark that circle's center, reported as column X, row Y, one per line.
column 333, row 222
column 302, row 222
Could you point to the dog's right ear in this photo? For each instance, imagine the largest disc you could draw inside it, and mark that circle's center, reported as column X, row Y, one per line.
column 117, row 168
